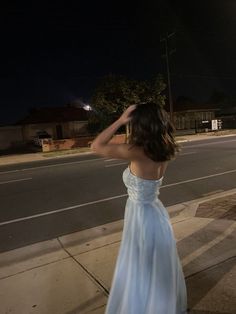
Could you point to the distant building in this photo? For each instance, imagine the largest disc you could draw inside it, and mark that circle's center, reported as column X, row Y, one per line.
column 189, row 115
column 10, row 136
column 228, row 117
column 59, row 122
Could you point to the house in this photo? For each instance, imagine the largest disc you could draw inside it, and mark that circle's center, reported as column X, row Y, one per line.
column 189, row 115
column 10, row 136
column 59, row 122
column 228, row 117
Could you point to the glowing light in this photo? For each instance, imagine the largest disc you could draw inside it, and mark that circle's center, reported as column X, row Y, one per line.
column 87, row 107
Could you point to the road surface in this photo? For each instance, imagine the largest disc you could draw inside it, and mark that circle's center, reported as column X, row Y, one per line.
column 45, row 199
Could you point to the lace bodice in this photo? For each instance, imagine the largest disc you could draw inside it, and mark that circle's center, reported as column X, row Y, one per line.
column 139, row 189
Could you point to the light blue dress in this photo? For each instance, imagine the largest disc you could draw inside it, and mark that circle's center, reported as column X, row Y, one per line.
column 148, row 277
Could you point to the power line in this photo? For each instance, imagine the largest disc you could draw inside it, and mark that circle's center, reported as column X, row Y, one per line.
column 203, row 76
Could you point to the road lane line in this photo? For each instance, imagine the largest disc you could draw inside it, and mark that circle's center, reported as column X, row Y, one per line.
column 17, row 180
column 189, row 153
column 53, row 165
column 206, row 144
column 112, row 159
column 105, row 200
column 113, row 165
column 200, row 178
column 125, row 163
column 60, row 210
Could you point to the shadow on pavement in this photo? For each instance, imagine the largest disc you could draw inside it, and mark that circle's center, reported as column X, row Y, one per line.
column 88, row 304
column 204, row 275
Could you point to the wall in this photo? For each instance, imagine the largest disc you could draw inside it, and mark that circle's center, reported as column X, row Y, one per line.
column 69, row 129
column 78, row 128
column 10, row 136
column 55, row 145
column 118, row 139
column 29, row 130
column 186, row 119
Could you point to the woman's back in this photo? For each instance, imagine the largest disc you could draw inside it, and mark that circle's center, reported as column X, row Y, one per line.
column 147, row 169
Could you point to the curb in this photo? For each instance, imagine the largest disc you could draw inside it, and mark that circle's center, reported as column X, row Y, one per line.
column 207, row 137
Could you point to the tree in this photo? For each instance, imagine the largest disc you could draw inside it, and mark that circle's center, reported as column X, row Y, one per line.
column 155, row 90
column 115, row 93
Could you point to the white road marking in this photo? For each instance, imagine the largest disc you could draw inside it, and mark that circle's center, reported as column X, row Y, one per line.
column 16, row 180
column 189, row 153
column 114, row 165
column 112, row 159
column 60, row 210
column 122, row 163
column 49, row 166
column 200, row 178
column 104, row 200
column 207, row 144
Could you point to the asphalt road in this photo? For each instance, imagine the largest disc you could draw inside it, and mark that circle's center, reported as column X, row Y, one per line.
column 42, row 200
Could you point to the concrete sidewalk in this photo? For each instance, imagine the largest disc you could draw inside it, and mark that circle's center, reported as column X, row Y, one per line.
column 21, row 158
column 72, row 274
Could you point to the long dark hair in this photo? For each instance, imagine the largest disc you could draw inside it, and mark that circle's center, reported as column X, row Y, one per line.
column 151, row 129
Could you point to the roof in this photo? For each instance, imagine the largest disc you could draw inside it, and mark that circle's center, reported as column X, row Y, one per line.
column 185, row 104
column 55, row 114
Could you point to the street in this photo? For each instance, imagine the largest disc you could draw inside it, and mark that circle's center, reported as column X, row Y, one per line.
column 46, row 199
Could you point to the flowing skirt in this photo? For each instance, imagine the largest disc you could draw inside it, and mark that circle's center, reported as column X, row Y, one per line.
column 148, row 277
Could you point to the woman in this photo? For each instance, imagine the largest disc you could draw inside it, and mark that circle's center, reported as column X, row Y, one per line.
column 148, row 277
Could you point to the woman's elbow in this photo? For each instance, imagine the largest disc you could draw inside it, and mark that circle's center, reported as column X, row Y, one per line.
column 94, row 147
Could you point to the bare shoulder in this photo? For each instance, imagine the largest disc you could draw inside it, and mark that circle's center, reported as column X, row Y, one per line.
column 148, row 169
column 120, row 151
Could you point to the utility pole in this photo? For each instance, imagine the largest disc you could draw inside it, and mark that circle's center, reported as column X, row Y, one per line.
column 167, row 57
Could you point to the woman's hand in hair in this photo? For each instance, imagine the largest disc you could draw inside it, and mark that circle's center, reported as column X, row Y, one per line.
column 125, row 117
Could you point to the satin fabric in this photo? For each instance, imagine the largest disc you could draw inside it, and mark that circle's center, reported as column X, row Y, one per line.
column 148, row 277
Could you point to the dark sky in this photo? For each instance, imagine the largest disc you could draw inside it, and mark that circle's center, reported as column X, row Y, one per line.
column 53, row 52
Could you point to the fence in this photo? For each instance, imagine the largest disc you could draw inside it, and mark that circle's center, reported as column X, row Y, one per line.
column 49, row 145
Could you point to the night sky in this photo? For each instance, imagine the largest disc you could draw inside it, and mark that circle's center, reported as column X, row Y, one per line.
column 55, row 52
